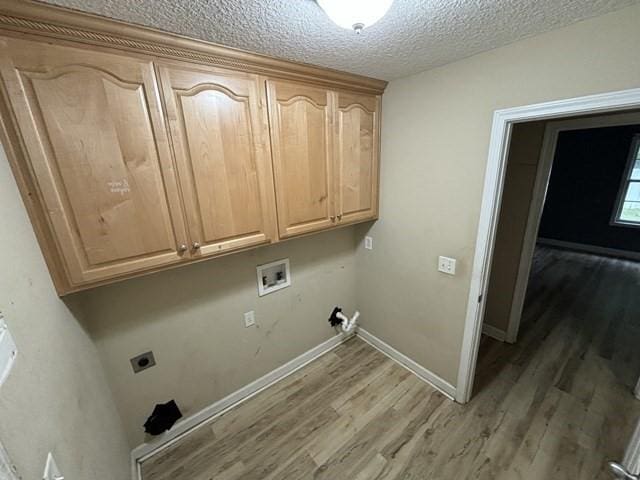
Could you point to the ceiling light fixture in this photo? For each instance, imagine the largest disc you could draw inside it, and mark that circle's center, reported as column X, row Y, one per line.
column 355, row 14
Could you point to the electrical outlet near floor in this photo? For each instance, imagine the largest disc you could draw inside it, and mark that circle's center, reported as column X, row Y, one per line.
column 249, row 319
column 51, row 470
column 142, row 362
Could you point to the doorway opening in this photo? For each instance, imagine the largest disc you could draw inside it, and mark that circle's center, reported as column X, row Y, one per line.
column 569, row 218
column 560, row 321
column 501, row 134
column 569, row 184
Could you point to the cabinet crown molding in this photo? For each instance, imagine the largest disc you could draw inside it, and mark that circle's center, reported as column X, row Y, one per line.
column 57, row 22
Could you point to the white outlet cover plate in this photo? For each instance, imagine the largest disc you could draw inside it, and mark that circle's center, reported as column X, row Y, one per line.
column 8, row 351
column 249, row 319
column 51, row 470
column 368, row 243
column 447, row 265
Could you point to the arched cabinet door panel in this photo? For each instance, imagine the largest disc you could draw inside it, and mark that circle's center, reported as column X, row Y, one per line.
column 357, row 163
column 301, row 137
column 97, row 147
column 219, row 134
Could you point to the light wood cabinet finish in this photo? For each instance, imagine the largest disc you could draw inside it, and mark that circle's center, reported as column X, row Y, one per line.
column 136, row 150
column 218, row 131
column 99, row 154
column 301, row 138
column 357, row 129
column 325, row 156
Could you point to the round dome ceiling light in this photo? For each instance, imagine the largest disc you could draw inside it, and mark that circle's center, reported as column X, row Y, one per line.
column 355, row 14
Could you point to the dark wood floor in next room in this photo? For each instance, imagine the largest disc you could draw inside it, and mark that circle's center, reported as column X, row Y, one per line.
column 556, row 405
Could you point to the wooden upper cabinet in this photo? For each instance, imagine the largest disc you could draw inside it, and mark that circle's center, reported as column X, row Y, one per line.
column 357, row 146
column 301, row 123
column 97, row 148
column 219, row 132
column 136, row 150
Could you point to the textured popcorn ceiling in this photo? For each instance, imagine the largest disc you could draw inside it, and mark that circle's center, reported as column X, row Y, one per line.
column 414, row 36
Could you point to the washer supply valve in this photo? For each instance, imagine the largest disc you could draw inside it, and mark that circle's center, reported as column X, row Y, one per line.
column 339, row 319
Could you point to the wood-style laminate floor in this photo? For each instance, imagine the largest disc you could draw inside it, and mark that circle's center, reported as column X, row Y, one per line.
column 556, row 405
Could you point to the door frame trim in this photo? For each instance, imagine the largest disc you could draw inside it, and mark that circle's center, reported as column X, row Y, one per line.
column 503, row 121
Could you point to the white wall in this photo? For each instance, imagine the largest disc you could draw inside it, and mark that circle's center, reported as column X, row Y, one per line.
column 192, row 319
column 56, row 398
column 435, row 137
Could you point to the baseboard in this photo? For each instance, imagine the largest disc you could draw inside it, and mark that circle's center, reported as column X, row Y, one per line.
column 583, row 247
column 188, row 424
column 428, row 376
column 192, row 422
column 494, row 332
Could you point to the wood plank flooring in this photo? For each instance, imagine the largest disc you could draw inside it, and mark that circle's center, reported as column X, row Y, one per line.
column 556, row 405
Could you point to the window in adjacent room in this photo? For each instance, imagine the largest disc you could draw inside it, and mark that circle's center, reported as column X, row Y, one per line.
column 628, row 205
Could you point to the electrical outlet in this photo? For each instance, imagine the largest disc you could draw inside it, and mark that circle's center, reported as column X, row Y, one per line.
column 51, row 470
column 447, row 265
column 368, row 243
column 8, row 351
column 249, row 319
column 142, row 362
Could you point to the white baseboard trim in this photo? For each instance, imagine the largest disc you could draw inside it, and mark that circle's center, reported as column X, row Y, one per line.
column 428, row 376
column 493, row 332
column 187, row 424
column 583, row 247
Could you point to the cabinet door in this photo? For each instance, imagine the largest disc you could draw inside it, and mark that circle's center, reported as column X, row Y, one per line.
column 218, row 130
column 357, row 147
column 98, row 151
column 300, row 119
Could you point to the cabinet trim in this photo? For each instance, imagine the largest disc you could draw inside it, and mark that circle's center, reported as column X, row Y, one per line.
column 66, row 24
